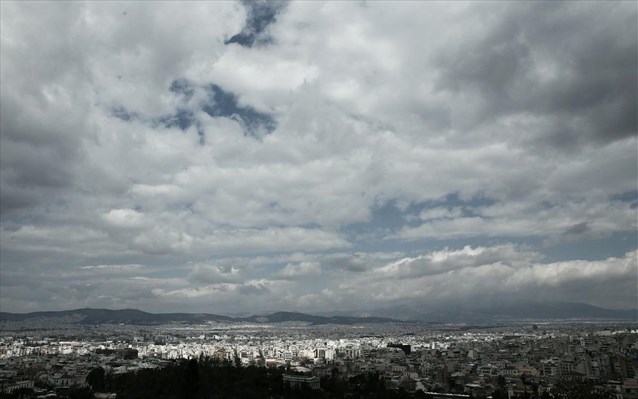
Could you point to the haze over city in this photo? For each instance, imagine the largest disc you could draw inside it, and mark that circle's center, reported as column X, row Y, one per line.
column 322, row 157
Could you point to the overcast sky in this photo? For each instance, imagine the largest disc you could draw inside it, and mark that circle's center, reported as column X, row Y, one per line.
column 229, row 157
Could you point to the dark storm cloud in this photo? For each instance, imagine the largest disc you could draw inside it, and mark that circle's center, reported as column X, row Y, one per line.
column 41, row 129
column 570, row 64
column 37, row 157
column 14, row 198
column 260, row 14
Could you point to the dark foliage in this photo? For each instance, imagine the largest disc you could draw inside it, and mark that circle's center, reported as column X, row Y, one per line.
column 96, row 379
column 207, row 378
column 126, row 353
column 194, row 379
column 214, row 379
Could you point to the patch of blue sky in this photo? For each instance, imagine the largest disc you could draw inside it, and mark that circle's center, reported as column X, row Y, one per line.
column 629, row 196
column 425, row 245
column 183, row 119
column 389, row 217
column 218, row 103
column 124, row 114
column 260, row 14
column 614, row 245
column 184, row 88
column 224, row 104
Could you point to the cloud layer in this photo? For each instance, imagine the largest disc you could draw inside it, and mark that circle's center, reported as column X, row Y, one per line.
column 237, row 157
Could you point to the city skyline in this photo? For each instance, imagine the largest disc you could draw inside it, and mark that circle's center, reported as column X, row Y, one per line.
column 249, row 157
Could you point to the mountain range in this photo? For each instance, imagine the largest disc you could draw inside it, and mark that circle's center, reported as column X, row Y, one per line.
column 399, row 314
column 138, row 317
column 503, row 311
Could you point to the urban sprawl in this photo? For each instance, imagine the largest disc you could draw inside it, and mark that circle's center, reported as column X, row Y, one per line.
column 460, row 361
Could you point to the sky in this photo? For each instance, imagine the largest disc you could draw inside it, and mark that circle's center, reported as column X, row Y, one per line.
column 248, row 157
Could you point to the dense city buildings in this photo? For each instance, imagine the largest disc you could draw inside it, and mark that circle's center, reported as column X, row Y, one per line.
column 519, row 360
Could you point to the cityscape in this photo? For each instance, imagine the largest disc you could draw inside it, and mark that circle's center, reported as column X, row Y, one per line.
column 318, row 199
column 57, row 357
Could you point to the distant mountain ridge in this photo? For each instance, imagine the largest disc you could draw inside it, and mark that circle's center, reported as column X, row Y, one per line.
column 399, row 314
column 137, row 317
column 504, row 311
column 280, row 317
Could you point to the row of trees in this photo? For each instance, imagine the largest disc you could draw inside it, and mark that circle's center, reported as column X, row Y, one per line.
column 213, row 379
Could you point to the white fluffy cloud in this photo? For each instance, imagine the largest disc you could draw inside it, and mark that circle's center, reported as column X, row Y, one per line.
column 303, row 269
column 471, row 120
column 429, row 280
